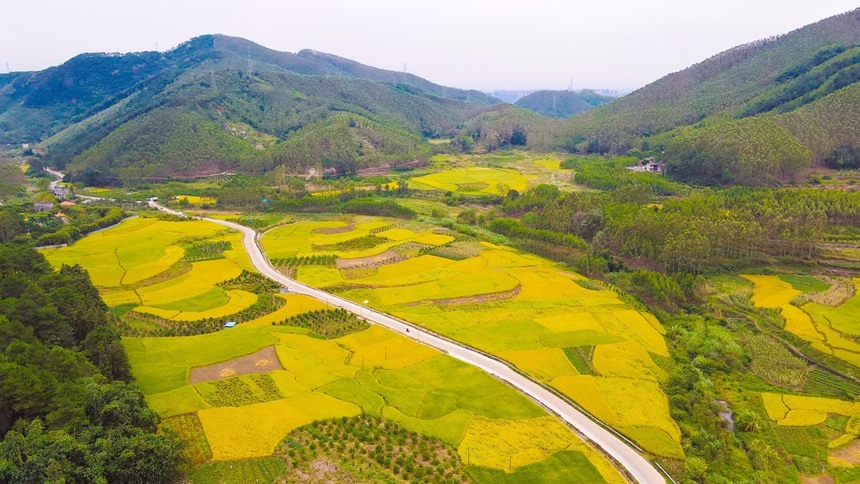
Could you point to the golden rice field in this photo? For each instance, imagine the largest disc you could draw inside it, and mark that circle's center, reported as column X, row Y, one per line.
column 474, row 180
column 524, row 309
column 139, row 263
column 374, row 371
column 824, row 327
column 801, row 411
column 298, row 239
column 195, row 200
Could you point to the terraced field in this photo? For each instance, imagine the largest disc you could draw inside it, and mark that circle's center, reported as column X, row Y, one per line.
column 830, row 330
column 265, row 378
column 588, row 344
column 139, row 265
column 819, row 429
column 374, row 371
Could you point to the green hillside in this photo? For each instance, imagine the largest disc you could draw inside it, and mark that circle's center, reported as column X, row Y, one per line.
column 218, row 102
column 768, row 147
column 723, row 85
column 562, row 104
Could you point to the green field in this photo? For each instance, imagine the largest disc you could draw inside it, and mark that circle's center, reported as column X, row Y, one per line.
column 526, row 310
column 374, row 371
column 241, row 417
column 139, row 264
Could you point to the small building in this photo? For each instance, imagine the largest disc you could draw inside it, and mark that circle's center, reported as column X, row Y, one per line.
column 25, row 146
column 43, row 207
column 230, row 324
column 67, row 203
column 60, row 191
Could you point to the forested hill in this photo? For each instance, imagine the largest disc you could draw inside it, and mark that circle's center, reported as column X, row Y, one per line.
column 756, row 114
column 67, row 410
column 562, row 104
column 218, row 102
column 723, row 84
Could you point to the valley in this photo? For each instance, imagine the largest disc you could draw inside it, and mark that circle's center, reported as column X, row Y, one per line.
column 222, row 262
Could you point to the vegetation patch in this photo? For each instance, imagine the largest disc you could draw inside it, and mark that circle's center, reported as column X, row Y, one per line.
column 369, row 448
column 207, row 251
column 262, row 470
column 327, row 323
column 239, row 390
column 358, row 243
column 188, row 428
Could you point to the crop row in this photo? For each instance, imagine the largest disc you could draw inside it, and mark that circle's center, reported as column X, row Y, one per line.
column 206, row 251
column 309, row 260
column 327, row 323
column 383, row 446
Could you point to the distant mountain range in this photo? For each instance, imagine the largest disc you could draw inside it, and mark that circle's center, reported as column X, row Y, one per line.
column 753, row 114
column 218, row 102
column 562, row 104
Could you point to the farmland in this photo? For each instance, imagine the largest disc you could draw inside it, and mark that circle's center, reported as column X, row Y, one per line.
column 373, row 372
column 303, row 361
column 143, row 266
column 820, row 430
column 517, row 306
column 830, row 330
column 473, row 180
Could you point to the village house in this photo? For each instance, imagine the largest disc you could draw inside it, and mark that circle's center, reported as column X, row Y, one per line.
column 43, row 206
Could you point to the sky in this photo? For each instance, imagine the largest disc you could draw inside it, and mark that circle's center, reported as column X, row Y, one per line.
column 477, row 44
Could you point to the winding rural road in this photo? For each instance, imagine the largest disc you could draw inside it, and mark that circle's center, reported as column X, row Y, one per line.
column 638, row 467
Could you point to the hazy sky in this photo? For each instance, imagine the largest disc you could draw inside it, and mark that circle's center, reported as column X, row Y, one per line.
column 480, row 44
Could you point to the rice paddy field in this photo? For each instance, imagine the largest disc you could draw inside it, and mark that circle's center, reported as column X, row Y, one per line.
column 376, row 372
column 832, row 330
column 819, row 430
column 484, row 173
column 473, row 180
column 588, row 344
column 235, row 394
column 144, row 265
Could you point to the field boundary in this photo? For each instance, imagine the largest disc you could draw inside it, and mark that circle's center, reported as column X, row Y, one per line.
column 258, row 239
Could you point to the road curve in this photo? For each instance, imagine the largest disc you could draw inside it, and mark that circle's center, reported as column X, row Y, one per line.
column 638, row 467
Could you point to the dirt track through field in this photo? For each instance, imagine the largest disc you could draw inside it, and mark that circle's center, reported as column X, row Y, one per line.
column 262, row 361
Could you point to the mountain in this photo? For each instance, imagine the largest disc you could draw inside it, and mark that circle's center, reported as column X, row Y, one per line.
column 562, row 104
column 721, row 85
column 755, row 114
column 218, row 102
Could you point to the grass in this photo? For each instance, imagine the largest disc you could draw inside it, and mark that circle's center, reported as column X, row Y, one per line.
column 805, row 283
column 563, row 466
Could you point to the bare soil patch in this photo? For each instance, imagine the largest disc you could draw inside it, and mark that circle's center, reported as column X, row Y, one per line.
column 262, row 361
column 334, row 230
column 480, row 298
column 387, row 257
column 850, row 453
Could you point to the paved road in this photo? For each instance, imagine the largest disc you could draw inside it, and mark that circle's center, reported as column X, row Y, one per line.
column 635, row 464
